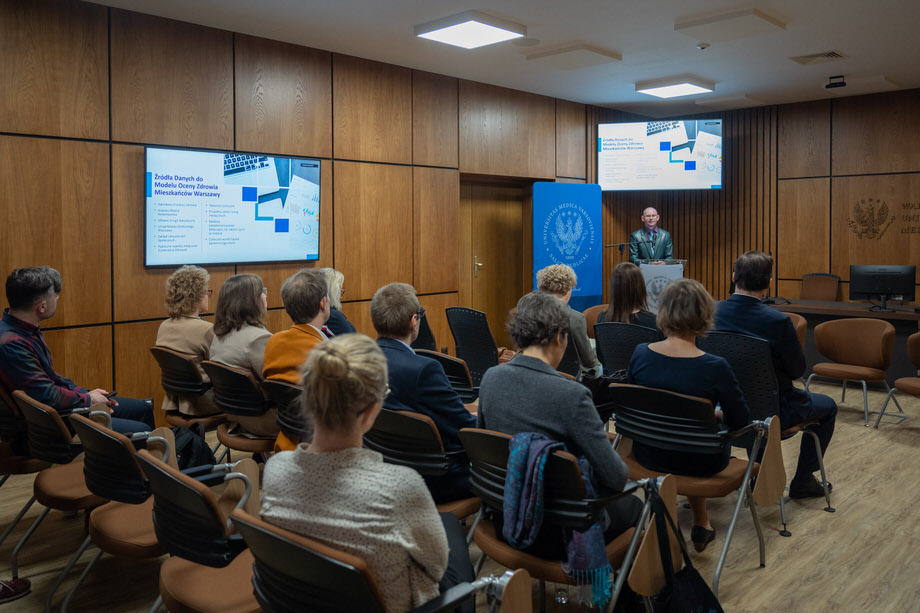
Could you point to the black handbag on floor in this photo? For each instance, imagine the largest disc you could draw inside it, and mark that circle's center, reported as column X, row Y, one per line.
column 686, row 590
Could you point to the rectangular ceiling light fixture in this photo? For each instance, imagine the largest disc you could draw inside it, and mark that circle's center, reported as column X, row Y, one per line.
column 470, row 29
column 674, row 87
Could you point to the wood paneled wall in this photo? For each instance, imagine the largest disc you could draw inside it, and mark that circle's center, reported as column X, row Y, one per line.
column 87, row 87
column 849, row 186
column 709, row 227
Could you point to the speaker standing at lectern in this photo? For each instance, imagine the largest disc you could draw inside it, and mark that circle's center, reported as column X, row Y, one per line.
column 650, row 242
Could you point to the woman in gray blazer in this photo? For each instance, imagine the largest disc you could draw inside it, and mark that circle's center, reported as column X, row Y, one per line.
column 528, row 395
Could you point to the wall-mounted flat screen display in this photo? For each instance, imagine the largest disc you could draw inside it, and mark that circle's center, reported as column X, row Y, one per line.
column 226, row 207
column 671, row 154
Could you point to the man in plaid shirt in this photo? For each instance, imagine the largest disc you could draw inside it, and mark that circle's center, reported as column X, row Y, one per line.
column 25, row 360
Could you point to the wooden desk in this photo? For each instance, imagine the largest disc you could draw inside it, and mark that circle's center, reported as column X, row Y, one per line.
column 904, row 319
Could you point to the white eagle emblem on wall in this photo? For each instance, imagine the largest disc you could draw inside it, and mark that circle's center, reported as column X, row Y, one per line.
column 569, row 234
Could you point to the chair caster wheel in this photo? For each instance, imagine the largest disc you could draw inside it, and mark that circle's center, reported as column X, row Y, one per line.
column 830, row 509
column 785, row 532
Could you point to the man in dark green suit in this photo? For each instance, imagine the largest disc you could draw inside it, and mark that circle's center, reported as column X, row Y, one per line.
column 650, row 242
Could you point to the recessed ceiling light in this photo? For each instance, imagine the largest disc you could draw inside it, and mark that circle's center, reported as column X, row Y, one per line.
column 470, row 29
column 673, row 87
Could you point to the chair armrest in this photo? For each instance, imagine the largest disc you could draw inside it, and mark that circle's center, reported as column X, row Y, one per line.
column 449, row 599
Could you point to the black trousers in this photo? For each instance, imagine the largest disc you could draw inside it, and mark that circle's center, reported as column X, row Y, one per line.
column 459, row 568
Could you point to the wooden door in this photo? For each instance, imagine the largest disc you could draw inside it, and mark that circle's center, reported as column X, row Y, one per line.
column 495, row 264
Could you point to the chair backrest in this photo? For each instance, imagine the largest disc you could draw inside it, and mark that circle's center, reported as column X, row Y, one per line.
column 48, row 436
column 913, row 349
column 801, row 327
column 569, row 363
column 294, row 573
column 616, row 342
column 187, row 517
column 666, row 420
column 425, row 338
column 564, row 498
column 408, row 439
column 12, row 423
column 861, row 341
column 591, row 314
column 236, row 391
column 110, row 466
column 819, row 286
column 752, row 363
column 179, row 375
column 458, row 375
column 475, row 344
column 292, row 419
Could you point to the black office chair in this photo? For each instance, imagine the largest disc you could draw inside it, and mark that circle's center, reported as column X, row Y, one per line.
column 238, row 392
column 180, row 377
column 569, row 363
column 475, row 344
column 425, row 338
column 295, row 423
column 565, row 505
column 294, row 573
column 667, row 420
column 752, row 362
column 458, row 375
column 615, row 343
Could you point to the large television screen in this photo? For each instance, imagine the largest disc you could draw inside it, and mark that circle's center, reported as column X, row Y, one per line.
column 672, row 154
column 227, row 207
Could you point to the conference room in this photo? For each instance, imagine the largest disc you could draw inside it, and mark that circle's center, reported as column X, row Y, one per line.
column 393, row 158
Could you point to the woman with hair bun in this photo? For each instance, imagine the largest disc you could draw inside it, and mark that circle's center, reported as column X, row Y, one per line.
column 335, row 491
column 187, row 297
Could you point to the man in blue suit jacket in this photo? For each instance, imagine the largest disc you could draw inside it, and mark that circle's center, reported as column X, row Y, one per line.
column 650, row 242
column 744, row 313
column 419, row 384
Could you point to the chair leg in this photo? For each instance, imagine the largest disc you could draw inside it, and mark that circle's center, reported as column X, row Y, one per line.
column 49, row 597
column 759, row 530
column 66, row 604
column 743, row 495
column 156, row 604
column 843, row 392
column 782, row 516
column 542, row 596
column 14, row 560
column 827, row 494
column 22, row 512
column 630, row 554
column 477, row 567
column 808, row 381
column 469, row 535
column 878, row 420
column 865, row 401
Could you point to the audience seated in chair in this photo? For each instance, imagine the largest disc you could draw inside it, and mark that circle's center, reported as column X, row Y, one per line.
column 240, row 337
column 25, row 359
column 336, row 492
column 419, row 384
column 559, row 280
column 337, row 323
column 744, row 313
column 685, row 311
column 628, row 298
column 187, row 296
column 306, row 301
column 528, row 395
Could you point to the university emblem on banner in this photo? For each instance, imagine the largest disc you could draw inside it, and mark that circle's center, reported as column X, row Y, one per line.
column 870, row 218
column 568, row 234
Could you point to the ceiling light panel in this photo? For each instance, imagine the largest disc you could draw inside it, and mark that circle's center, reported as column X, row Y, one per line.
column 674, row 87
column 470, row 30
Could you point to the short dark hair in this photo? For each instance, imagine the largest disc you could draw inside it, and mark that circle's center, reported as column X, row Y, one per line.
column 753, row 271
column 302, row 293
column 392, row 309
column 25, row 286
column 537, row 320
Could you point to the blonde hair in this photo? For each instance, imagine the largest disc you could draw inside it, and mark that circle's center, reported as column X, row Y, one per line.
column 334, row 282
column 184, row 290
column 685, row 308
column 556, row 279
column 341, row 378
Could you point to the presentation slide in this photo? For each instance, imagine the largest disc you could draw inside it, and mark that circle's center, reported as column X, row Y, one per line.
column 660, row 155
column 206, row 207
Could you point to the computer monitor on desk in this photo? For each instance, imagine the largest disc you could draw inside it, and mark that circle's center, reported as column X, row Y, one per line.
column 882, row 283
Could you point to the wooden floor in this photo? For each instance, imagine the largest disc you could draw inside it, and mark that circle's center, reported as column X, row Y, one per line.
column 861, row 558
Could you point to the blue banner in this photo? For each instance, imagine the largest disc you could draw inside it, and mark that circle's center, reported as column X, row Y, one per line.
column 567, row 230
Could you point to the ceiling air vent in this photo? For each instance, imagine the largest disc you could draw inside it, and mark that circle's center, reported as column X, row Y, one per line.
column 819, row 58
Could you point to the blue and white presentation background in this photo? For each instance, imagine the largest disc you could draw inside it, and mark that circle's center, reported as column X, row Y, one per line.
column 628, row 159
column 229, row 224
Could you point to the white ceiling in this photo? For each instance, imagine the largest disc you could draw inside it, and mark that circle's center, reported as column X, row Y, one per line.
column 878, row 38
